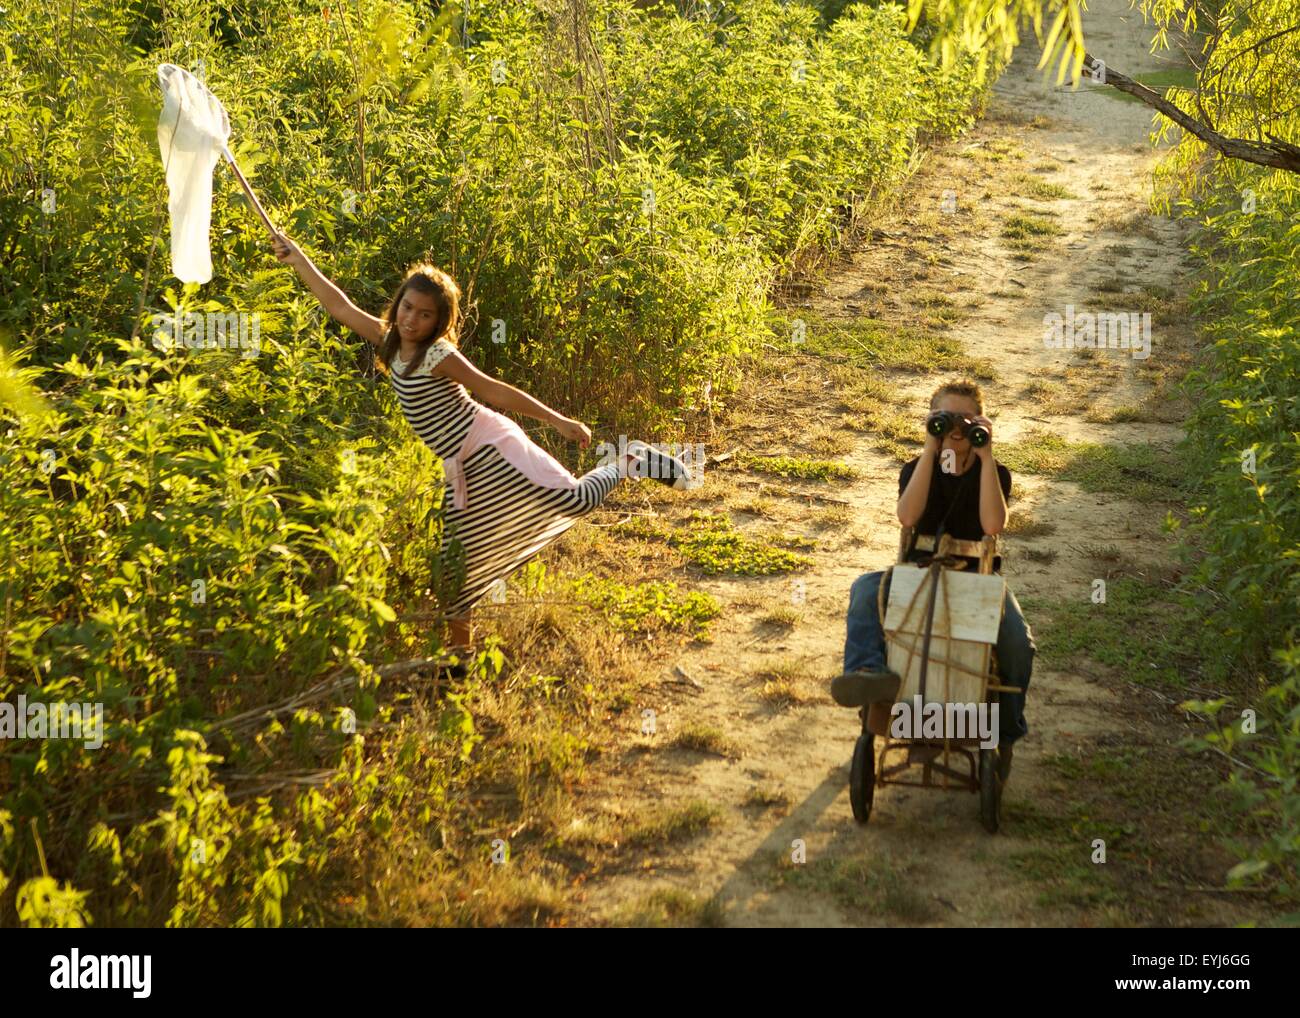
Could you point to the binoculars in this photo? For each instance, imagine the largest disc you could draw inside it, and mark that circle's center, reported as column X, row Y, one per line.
column 940, row 422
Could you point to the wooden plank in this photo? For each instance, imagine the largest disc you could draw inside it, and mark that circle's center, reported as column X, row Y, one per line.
column 967, row 606
column 967, row 614
column 957, row 674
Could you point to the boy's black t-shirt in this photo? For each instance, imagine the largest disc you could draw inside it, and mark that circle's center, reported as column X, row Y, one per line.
column 956, row 498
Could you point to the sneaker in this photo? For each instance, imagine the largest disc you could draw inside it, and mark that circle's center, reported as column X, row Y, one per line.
column 665, row 469
column 857, row 689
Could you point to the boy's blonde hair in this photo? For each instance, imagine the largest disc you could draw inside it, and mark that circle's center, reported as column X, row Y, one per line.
column 959, row 387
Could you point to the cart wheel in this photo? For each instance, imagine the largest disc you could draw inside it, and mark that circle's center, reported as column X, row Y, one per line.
column 990, row 790
column 862, row 777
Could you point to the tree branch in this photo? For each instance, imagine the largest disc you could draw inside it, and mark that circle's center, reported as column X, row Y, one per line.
column 1278, row 154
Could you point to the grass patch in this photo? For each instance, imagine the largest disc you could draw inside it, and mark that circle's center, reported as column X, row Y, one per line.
column 831, row 516
column 784, row 684
column 784, row 693
column 1146, row 633
column 994, row 152
column 755, row 505
column 1162, row 302
column 1152, row 805
column 788, row 669
column 672, row 824
column 1113, row 766
column 871, row 885
column 887, row 344
column 703, row 739
column 787, row 618
column 1022, row 524
column 647, row 607
column 1002, row 112
column 491, row 896
column 1027, row 227
column 793, row 541
column 671, row 907
column 1050, row 397
column 938, row 307
column 1035, row 187
column 1142, row 472
column 1060, row 861
column 829, row 441
column 760, row 797
column 892, row 431
column 1102, row 552
column 805, row 469
column 710, row 542
column 1125, row 414
column 1138, row 223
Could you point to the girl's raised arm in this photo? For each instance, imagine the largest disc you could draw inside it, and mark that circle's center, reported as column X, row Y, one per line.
column 332, row 299
column 507, row 397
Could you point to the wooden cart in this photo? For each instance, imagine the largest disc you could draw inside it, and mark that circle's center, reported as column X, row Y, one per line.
column 941, row 626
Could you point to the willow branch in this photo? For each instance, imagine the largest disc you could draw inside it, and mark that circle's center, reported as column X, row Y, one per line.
column 1279, row 155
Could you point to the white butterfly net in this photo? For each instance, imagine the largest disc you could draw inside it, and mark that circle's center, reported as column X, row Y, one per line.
column 192, row 133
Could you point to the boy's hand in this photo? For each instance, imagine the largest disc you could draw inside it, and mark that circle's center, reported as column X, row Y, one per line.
column 985, row 451
column 932, row 444
column 574, row 431
column 286, row 250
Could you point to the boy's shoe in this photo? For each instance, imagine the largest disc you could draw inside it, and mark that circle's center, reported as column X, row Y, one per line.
column 665, row 469
column 857, row 689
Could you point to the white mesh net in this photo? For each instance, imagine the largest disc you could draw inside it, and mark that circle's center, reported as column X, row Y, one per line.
column 192, row 133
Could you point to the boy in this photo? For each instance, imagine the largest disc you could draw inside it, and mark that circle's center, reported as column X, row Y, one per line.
column 959, row 487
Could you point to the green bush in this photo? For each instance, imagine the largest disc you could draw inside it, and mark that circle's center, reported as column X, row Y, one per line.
column 155, row 564
column 615, row 262
column 1246, row 527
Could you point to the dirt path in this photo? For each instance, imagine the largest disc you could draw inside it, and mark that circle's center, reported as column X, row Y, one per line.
column 1079, row 160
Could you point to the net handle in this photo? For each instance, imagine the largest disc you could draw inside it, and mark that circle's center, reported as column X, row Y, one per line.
column 252, row 198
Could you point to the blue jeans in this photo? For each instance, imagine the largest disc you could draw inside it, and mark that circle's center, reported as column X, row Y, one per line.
column 864, row 649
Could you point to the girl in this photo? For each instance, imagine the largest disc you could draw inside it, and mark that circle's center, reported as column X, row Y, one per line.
column 508, row 497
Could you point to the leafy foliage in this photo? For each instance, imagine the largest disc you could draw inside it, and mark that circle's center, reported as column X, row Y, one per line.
column 1245, row 442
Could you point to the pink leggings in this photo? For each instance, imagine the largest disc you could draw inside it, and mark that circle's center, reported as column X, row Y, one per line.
column 525, row 455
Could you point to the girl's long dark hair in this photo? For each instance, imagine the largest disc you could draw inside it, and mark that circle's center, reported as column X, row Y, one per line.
column 428, row 279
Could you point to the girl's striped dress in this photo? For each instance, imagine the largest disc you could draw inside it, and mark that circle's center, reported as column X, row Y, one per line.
column 506, row 498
